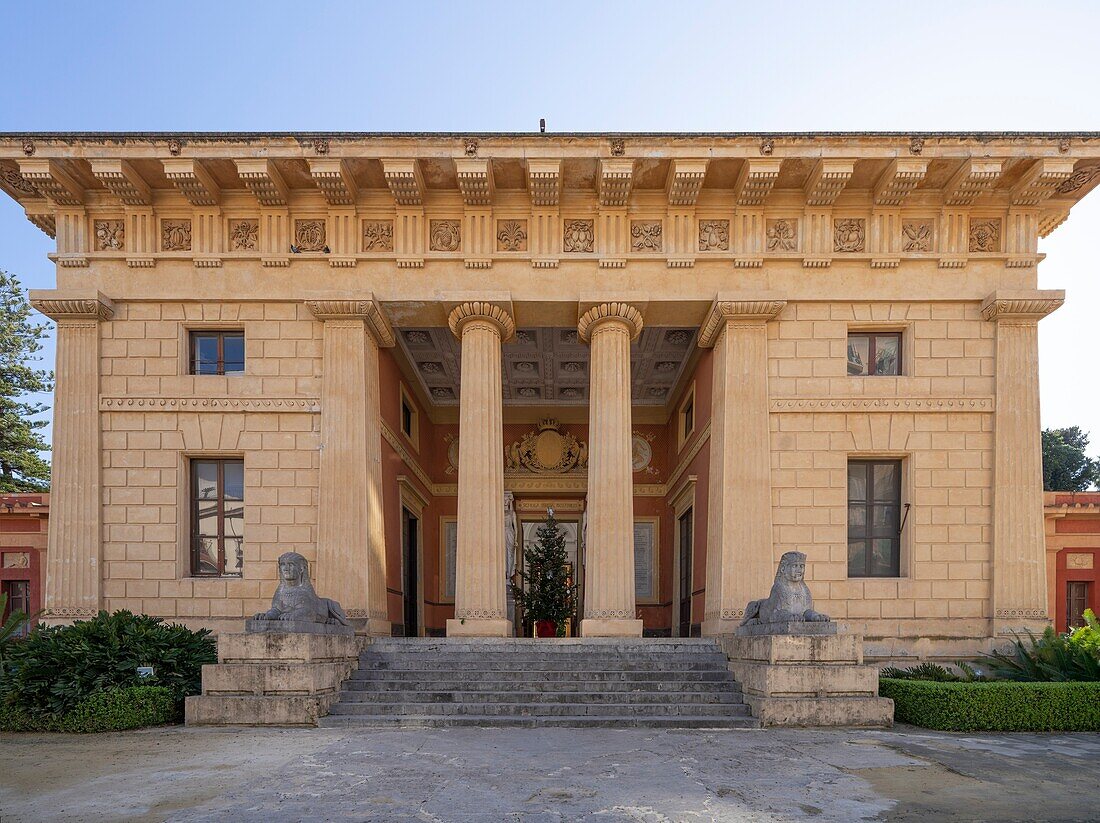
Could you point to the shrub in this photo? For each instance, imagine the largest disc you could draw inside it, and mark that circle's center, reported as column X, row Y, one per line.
column 1050, row 657
column 57, row 668
column 935, row 673
column 1003, row 707
column 1087, row 636
column 111, row 710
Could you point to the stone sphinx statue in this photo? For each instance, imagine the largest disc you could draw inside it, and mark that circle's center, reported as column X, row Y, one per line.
column 790, row 600
column 296, row 606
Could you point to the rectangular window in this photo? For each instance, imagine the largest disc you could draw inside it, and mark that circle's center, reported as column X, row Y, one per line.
column 217, row 518
column 874, row 527
column 871, row 353
column 406, row 418
column 217, row 352
column 1077, row 600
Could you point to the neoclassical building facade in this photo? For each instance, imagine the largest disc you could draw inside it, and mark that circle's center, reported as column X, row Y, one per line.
column 392, row 353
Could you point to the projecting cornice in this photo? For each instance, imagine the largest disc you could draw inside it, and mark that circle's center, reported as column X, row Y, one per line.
column 264, row 181
column 405, row 181
column 119, row 177
column 193, row 181
column 1022, row 305
column 334, row 180
column 758, row 308
column 51, row 180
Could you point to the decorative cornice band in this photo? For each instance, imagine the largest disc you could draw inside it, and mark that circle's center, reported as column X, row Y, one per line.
column 463, row 313
column 369, row 311
column 304, row 405
column 624, row 312
column 1021, row 614
column 723, row 310
column 883, row 404
column 1026, row 305
column 58, row 307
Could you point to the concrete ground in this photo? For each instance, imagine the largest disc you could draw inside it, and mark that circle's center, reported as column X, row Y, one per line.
column 270, row 775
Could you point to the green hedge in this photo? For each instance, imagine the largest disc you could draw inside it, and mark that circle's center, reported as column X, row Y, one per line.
column 995, row 706
column 106, row 711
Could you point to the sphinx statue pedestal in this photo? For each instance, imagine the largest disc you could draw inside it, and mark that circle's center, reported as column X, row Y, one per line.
column 806, row 674
column 274, row 678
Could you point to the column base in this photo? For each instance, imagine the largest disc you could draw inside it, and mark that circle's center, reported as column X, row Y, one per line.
column 611, row 628
column 470, row 627
column 371, row 626
column 1009, row 628
column 715, row 626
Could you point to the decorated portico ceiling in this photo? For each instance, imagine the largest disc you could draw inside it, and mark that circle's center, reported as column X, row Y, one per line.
column 549, row 366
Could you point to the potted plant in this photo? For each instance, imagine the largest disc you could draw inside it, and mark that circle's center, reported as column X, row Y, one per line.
column 545, row 590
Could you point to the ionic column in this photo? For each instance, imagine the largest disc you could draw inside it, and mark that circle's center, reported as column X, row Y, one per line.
column 74, row 575
column 1019, row 542
column 609, row 609
column 480, row 598
column 351, row 542
column 740, row 557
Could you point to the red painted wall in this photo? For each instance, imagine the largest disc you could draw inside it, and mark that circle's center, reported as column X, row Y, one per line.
column 24, row 524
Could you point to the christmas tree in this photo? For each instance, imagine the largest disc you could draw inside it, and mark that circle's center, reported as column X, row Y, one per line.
column 545, row 591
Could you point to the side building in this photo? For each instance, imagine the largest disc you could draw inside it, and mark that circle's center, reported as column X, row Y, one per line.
column 392, row 353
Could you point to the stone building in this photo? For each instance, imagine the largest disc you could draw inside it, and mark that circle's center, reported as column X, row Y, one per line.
column 1073, row 556
column 24, row 525
column 393, row 352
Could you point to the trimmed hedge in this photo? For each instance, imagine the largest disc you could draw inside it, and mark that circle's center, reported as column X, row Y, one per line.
column 995, row 706
column 106, row 711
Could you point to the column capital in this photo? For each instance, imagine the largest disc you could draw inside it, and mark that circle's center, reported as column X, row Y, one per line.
column 760, row 308
column 600, row 313
column 1022, row 305
column 369, row 310
column 72, row 304
column 491, row 312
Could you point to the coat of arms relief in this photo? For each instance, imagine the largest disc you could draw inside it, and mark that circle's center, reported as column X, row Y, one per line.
column 546, row 450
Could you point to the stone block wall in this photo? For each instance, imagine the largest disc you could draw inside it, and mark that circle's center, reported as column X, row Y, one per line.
column 937, row 418
column 154, row 417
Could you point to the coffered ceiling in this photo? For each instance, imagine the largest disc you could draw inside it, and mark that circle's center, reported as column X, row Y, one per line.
column 548, row 366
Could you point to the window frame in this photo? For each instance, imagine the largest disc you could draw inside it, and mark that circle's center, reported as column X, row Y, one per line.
column 872, row 335
column 193, row 336
column 193, row 507
column 683, row 430
column 405, row 400
column 869, row 502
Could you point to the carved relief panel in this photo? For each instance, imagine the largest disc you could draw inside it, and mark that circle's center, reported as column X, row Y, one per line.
column 645, row 236
column 175, row 235
column 579, row 237
column 310, row 235
column 916, row 236
column 782, row 235
column 511, row 235
column 985, row 235
column 445, row 235
column 377, row 235
column 546, row 450
column 110, row 235
column 714, row 235
column 849, row 235
column 244, row 235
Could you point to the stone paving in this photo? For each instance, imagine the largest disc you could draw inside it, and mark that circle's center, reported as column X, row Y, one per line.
column 469, row 774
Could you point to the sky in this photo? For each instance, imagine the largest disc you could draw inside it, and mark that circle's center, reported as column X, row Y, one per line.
column 584, row 66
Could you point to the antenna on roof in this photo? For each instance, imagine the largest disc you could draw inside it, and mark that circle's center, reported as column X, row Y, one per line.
column 542, row 125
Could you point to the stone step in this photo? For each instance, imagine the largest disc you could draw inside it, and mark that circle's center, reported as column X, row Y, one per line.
column 523, row 659
column 474, row 665
column 547, row 644
column 555, row 686
column 485, row 696
column 522, row 675
column 668, row 709
column 497, row 721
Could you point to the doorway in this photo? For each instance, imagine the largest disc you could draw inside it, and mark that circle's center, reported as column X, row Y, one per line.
column 410, row 545
column 686, row 526
column 570, row 527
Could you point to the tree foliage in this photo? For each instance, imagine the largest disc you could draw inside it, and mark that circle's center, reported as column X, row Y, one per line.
column 545, row 592
column 1066, row 467
column 22, row 468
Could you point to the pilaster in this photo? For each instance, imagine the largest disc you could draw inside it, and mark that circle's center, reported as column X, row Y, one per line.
column 740, row 563
column 1019, row 553
column 74, row 575
column 609, row 607
column 351, row 543
column 480, row 597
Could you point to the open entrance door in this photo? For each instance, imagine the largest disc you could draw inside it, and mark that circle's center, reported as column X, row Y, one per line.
column 410, row 578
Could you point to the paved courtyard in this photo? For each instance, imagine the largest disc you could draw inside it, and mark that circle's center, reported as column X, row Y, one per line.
column 270, row 775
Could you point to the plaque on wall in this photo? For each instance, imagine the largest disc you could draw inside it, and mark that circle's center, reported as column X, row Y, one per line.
column 450, row 553
column 645, row 560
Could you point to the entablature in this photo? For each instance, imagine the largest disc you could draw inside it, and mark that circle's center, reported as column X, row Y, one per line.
column 822, row 199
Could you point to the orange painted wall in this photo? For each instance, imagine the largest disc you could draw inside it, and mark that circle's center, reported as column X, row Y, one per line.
column 1076, row 531
column 24, row 524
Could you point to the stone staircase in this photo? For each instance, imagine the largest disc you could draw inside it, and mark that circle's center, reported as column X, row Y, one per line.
column 658, row 682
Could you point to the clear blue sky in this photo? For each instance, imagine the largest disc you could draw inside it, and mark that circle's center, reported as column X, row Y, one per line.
column 584, row 66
